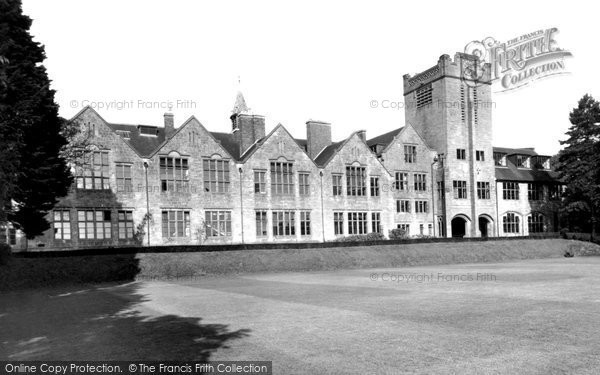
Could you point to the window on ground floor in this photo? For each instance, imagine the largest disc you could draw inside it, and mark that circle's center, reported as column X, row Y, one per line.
column 536, row 223
column 125, row 225
column 357, row 222
column 376, row 222
column 94, row 224
column 261, row 223
column 284, row 223
column 404, row 227
column 305, row 223
column 218, row 223
column 510, row 223
column 175, row 223
column 8, row 234
column 62, row 225
column 338, row 222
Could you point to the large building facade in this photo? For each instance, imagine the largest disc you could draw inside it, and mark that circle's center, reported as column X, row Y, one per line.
column 439, row 175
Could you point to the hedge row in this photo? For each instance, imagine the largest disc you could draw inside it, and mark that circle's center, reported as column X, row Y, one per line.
column 350, row 242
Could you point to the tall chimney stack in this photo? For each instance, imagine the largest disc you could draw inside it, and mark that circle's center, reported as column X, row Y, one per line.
column 318, row 136
column 169, row 124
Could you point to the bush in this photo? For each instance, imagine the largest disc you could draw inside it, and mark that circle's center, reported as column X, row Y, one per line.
column 563, row 233
column 582, row 249
column 5, row 253
column 398, row 234
column 362, row 237
column 423, row 236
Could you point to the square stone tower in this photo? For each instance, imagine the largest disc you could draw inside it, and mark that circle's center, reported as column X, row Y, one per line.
column 450, row 106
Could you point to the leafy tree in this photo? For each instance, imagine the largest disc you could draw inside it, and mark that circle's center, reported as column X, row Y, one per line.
column 579, row 165
column 32, row 172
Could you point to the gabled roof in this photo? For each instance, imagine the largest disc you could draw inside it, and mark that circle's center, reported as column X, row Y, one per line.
column 384, row 139
column 227, row 140
column 328, row 152
column 248, row 153
column 302, row 143
column 142, row 144
column 512, row 173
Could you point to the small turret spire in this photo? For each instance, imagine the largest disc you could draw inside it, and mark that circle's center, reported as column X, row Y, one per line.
column 240, row 105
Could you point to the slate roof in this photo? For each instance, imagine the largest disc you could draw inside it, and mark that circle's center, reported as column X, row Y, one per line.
column 302, row 143
column 516, row 151
column 384, row 139
column 142, row 144
column 512, row 173
column 227, row 140
column 145, row 145
column 327, row 153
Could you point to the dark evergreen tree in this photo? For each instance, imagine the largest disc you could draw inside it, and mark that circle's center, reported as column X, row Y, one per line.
column 32, row 173
column 579, row 165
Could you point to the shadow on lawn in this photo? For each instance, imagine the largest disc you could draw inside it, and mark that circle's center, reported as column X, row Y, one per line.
column 101, row 324
column 38, row 272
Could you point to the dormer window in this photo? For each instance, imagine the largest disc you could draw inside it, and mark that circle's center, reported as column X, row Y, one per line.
column 540, row 162
column 125, row 134
column 499, row 159
column 522, row 161
column 149, row 131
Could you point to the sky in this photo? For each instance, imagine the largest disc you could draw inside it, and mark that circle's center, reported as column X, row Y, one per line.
column 296, row 61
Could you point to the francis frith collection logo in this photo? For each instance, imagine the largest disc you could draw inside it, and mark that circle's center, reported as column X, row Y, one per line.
column 517, row 62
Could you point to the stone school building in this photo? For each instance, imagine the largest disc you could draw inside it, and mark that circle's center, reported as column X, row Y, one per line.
column 438, row 175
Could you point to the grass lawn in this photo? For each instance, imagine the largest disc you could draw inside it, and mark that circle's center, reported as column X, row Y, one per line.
column 531, row 316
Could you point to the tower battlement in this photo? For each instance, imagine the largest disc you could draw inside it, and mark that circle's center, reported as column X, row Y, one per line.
column 463, row 66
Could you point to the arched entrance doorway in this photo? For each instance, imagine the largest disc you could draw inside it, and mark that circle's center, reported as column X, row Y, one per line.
column 459, row 226
column 485, row 226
